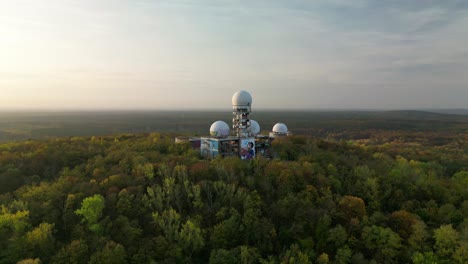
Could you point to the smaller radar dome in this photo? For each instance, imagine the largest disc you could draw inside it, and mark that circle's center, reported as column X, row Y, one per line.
column 280, row 128
column 219, row 129
column 242, row 98
column 254, row 127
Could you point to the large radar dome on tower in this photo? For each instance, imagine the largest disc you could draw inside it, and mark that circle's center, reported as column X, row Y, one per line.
column 242, row 98
column 254, row 127
column 219, row 129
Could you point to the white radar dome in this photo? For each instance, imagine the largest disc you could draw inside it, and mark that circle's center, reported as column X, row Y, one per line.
column 242, row 98
column 280, row 128
column 219, row 129
column 254, row 127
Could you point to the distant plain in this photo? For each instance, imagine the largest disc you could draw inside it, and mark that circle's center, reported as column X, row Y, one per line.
column 15, row 126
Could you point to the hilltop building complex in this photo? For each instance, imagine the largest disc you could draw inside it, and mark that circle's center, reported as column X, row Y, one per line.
column 245, row 141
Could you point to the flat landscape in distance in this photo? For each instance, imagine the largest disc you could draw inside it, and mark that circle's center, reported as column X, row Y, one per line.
column 16, row 126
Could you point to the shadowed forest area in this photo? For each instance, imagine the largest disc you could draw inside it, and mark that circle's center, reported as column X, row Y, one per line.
column 349, row 187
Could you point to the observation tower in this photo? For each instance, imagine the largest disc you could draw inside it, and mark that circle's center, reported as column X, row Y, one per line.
column 241, row 108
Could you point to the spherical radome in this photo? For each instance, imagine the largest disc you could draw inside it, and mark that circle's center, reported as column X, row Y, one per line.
column 254, row 127
column 242, row 98
column 219, row 129
column 280, row 128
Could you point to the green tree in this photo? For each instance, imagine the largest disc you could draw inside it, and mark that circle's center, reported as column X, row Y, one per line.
column 446, row 241
column 125, row 204
column 223, row 256
column 323, row 259
column 337, row 236
column 447, row 213
column 190, row 238
column 145, row 170
column 382, row 243
column 425, row 258
column 74, row 253
column 41, row 241
column 419, row 235
column 461, row 254
column 13, row 226
column 112, row 253
column 228, row 233
column 169, row 222
column 295, row 256
column 343, row 255
column 125, row 232
column 91, row 211
column 29, row 261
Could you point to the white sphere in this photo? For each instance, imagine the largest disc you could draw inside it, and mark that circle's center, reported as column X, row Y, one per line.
column 219, row 129
column 280, row 128
column 254, row 127
column 242, row 98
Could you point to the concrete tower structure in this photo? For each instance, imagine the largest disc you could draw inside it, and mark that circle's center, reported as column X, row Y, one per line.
column 241, row 108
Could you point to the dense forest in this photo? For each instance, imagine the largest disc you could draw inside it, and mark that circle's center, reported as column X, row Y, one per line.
column 394, row 197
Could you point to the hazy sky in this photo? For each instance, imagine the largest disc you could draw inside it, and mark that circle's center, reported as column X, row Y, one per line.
column 142, row 54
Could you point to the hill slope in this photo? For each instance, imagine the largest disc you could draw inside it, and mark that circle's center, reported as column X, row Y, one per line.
column 142, row 199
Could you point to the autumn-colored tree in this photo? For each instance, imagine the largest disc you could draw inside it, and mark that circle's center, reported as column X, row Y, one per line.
column 402, row 222
column 352, row 207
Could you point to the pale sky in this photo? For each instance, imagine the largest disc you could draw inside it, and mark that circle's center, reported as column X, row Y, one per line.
column 171, row 54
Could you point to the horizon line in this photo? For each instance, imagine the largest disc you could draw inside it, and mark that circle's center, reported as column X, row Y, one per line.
column 213, row 109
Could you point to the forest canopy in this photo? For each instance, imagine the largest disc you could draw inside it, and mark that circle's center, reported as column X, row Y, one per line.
column 144, row 199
